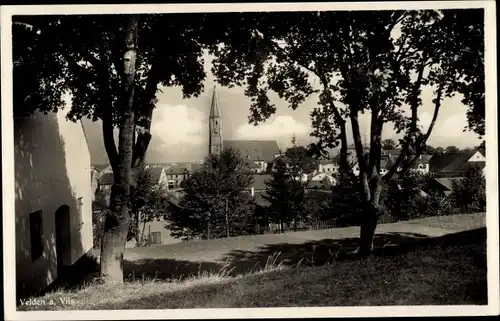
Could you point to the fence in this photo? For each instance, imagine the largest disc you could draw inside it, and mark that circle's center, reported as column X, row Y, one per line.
column 319, row 225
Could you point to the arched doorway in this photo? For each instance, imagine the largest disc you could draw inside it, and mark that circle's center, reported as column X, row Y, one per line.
column 63, row 237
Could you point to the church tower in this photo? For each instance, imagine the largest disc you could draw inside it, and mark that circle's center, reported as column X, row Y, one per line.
column 215, row 126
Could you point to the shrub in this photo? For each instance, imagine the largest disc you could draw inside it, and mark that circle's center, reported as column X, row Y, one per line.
column 469, row 194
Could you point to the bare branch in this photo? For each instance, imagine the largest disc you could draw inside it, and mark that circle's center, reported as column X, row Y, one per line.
column 413, row 125
column 397, row 20
column 420, row 147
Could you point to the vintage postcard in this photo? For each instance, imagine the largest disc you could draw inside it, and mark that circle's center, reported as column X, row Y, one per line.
column 250, row 160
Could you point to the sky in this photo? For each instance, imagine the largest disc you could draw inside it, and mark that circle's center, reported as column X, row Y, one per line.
column 180, row 126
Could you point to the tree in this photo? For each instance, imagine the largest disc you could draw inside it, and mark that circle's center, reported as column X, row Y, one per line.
column 286, row 194
column 97, row 60
column 451, row 149
column 469, row 194
column 344, row 202
column 433, row 150
column 215, row 204
column 148, row 203
column 299, row 161
column 388, row 144
column 362, row 68
column 403, row 197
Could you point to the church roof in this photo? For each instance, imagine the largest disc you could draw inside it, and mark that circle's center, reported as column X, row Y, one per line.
column 255, row 150
column 214, row 106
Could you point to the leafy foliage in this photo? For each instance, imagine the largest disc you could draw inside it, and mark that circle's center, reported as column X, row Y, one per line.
column 469, row 195
column 403, row 196
column 299, row 161
column 286, row 195
column 363, row 61
column 82, row 55
column 388, row 144
column 148, row 203
column 223, row 180
column 345, row 199
column 434, row 150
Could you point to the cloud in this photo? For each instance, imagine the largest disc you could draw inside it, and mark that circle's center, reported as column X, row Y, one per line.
column 178, row 125
column 449, row 130
column 282, row 127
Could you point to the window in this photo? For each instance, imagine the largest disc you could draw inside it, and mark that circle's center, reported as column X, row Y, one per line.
column 36, row 235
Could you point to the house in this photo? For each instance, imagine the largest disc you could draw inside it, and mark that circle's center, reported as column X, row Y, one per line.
column 455, row 164
column 328, row 166
column 154, row 233
column 421, row 165
column 158, row 176
column 258, row 189
column 104, row 183
column 322, row 178
column 53, row 198
column 394, row 153
column 443, row 186
column 175, row 175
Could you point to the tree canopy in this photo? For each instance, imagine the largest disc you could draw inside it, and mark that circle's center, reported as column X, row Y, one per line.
column 215, row 200
column 374, row 62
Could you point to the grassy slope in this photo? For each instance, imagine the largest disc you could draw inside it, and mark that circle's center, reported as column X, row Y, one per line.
column 445, row 270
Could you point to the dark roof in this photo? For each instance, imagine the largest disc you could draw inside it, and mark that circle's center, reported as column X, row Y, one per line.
column 324, row 161
column 175, row 170
column 447, row 182
column 259, row 181
column 214, row 106
column 386, row 162
column 195, row 167
column 255, row 150
column 317, row 184
column 155, row 173
column 450, row 162
column 468, row 165
column 392, row 152
column 253, row 165
column 106, row 179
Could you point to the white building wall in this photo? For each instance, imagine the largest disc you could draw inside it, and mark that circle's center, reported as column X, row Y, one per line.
column 477, row 157
column 52, row 169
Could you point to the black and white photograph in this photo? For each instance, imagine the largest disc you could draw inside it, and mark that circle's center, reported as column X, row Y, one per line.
column 320, row 159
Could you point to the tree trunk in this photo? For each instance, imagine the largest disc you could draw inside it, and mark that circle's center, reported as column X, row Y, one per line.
column 117, row 221
column 367, row 229
column 138, row 230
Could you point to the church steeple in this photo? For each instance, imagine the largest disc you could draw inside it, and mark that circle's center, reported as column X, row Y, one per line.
column 215, row 126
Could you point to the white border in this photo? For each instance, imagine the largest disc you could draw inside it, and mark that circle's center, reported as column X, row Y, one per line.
column 491, row 155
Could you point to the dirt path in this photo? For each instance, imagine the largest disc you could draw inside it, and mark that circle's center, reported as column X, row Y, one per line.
column 220, row 250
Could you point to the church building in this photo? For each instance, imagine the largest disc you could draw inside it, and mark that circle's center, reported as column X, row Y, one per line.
column 259, row 153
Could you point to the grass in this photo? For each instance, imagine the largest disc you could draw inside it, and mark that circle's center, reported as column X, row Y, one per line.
column 437, row 271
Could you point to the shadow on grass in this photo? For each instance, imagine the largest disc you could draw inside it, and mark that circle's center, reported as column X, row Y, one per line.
column 442, row 270
column 306, row 254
